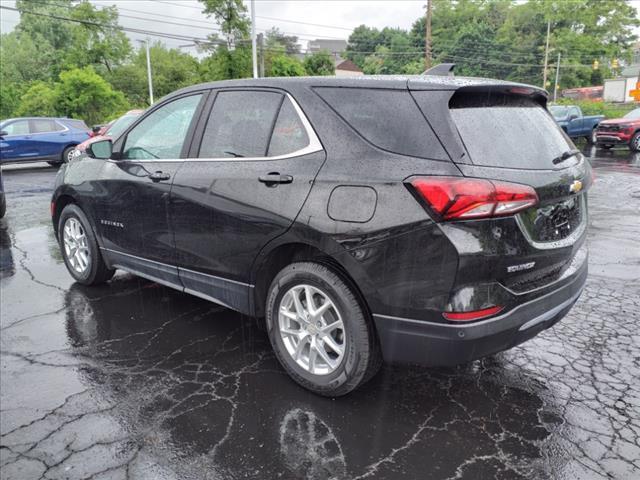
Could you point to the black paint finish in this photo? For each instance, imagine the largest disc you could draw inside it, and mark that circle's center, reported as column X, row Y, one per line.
column 218, row 228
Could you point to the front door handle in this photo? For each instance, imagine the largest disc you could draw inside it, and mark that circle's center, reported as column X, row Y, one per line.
column 274, row 178
column 158, row 176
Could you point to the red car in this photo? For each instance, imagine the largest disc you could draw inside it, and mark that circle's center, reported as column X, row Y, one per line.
column 620, row 131
column 112, row 129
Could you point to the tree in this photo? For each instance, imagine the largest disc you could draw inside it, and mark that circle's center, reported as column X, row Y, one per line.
column 22, row 60
column 283, row 66
column 319, row 63
column 225, row 64
column 39, row 100
column 361, row 43
column 275, row 39
column 231, row 16
column 82, row 93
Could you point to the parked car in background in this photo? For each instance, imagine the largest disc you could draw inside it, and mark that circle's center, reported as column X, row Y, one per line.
column 620, row 131
column 111, row 130
column 574, row 123
column 40, row 139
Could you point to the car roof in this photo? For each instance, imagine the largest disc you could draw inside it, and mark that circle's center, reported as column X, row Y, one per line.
column 414, row 82
column 42, row 118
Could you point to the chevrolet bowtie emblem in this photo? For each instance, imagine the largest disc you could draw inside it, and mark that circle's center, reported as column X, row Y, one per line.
column 575, row 187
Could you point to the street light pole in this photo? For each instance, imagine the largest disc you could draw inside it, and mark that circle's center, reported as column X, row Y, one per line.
column 546, row 57
column 555, row 88
column 254, row 51
column 146, row 42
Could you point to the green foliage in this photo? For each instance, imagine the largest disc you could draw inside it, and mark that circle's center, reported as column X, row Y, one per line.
column 82, row 93
column 225, row 64
column 283, row 66
column 609, row 110
column 39, row 100
column 231, row 15
column 319, row 63
column 275, row 39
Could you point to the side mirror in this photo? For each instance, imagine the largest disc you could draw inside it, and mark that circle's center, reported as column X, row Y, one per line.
column 573, row 116
column 101, row 150
column 96, row 129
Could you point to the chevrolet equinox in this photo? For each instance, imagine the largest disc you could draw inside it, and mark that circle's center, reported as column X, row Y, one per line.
column 430, row 220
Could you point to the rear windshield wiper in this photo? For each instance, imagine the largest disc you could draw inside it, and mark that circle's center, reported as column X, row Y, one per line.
column 564, row 156
column 233, row 154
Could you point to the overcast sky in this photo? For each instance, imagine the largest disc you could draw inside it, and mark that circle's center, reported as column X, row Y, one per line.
column 330, row 18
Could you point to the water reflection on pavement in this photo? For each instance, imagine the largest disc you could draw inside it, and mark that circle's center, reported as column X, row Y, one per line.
column 134, row 380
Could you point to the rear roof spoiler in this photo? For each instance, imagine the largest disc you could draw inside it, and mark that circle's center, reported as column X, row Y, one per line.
column 442, row 69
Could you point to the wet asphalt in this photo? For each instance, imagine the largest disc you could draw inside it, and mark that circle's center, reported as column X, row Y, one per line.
column 134, row 380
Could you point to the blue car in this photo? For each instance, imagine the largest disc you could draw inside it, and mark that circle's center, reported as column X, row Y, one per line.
column 40, row 139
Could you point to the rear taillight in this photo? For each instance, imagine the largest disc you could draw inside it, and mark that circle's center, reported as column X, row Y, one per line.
column 459, row 198
column 472, row 315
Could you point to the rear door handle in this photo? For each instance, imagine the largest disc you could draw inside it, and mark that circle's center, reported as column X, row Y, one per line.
column 274, row 178
column 158, row 176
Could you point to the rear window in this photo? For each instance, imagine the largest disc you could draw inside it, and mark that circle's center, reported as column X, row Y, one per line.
column 389, row 119
column 507, row 131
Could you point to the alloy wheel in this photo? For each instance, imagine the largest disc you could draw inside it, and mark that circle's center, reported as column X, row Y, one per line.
column 635, row 143
column 312, row 329
column 76, row 245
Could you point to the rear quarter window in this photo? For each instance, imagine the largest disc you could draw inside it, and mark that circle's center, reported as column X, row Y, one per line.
column 389, row 119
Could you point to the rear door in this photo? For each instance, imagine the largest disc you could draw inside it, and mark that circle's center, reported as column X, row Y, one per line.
column 255, row 165
column 49, row 137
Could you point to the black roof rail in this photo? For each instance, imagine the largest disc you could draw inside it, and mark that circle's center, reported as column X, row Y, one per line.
column 442, row 69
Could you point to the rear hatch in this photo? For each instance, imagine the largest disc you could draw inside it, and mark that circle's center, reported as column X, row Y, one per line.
column 504, row 133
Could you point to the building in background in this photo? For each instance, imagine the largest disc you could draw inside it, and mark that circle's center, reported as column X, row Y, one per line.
column 617, row 89
column 347, row 68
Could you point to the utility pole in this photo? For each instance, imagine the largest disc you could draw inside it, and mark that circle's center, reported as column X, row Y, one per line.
column 261, row 55
column 546, row 57
column 555, row 88
column 427, row 35
column 254, row 50
column 149, row 80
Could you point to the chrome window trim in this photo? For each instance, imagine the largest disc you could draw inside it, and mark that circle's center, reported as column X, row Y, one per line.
column 64, row 128
column 313, row 146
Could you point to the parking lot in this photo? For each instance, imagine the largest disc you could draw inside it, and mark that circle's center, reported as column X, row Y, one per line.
column 134, row 380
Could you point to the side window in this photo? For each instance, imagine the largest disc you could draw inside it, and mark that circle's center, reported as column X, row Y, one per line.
column 389, row 119
column 289, row 134
column 240, row 124
column 20, row 127
column 43, row 125
column 163, row 132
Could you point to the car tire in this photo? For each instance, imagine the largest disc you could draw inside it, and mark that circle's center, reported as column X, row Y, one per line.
column 80, row 249
column 345, row 325
column 67, row 154
column 592, row 139
column 3, row 205
column 634, row 144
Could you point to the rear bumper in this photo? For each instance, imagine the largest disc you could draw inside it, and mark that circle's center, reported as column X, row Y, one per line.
column 435, row 344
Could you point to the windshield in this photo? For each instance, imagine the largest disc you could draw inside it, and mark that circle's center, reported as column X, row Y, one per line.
column 633, row 114
column 120, row 125
column 559, row 111
column 512, row 133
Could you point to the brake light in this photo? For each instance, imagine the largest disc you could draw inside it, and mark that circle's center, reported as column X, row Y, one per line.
column 473, row 315
column 453, row 198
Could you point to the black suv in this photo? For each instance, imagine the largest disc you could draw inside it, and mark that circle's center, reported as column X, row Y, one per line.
column 429, row 220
